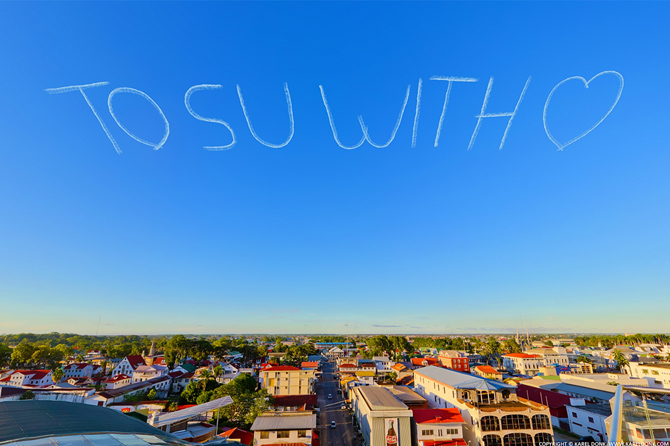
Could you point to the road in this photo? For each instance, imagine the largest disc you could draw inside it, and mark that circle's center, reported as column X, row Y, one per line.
column 331, row 410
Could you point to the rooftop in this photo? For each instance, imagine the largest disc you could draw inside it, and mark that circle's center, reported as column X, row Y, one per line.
column 284, row 421
column 434, row 416
column 380, row 398
column 460, row 380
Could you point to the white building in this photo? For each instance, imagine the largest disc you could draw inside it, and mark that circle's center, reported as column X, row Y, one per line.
column 31, row 378
column 117, row 381
column 589, row 420
column 80, row 370
column 434, row 426
column 284, row 427
column 523, row 363
column 147, row 372
column 659, row 372
column 493, row 413
column 381, row 415
column 128, row 365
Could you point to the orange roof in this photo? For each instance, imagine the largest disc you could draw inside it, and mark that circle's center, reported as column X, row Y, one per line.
column 420, row 361
column 521, row 355
column 245, row 437
column 399, row 367
column 487, row 369
column 309, row 364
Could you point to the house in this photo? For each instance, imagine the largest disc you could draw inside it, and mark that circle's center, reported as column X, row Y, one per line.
column 294, row 428
column 128, row 365
column 523, row 363
column 438, row 426
column 382, row 364
column 455, row 360
column 34, row 378
column 116, row 395
column 424, row 362
column 180, row 380
column 117, row 381
column 366, row 377
column 147, row 372
column 79, row 370
column 493, row 412
column 486, row 371
column 85, row 381
column 335, row 353
column 401, row 370
column 287, row 380
column 383, row 418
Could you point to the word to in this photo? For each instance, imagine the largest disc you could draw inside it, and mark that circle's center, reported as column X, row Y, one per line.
column 484, row 114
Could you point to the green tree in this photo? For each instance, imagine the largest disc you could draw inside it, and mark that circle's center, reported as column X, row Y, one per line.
column 57, row 374
column 152, row 394
column 23, row 353
column 27, row 395
column 548, row 343
column 5, row 355
column 510, row 346
column 620, row 359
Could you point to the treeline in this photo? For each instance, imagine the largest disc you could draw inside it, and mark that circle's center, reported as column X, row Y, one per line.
column 609, row 341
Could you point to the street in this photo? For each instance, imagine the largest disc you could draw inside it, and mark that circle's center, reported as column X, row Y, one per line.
column 331, row 410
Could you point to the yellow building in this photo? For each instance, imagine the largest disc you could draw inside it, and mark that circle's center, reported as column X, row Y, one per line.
column 288, row 380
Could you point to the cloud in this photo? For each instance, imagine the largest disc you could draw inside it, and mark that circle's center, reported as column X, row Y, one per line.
column 386, row 326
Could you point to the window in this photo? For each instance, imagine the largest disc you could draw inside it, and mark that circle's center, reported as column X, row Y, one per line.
column 543, row 438
column 542, row 422
column 574, row 415
column 518, row 439
column 591, row 420
column 302, row 434
column 283, row 434
column 452, row 431
column 489, row 424
column 265, row 434
column 515, row 422
column 492, row 440
column 427, row 432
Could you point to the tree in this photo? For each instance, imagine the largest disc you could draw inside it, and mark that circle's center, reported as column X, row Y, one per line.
column 23, row 353
column 27, row 395
column 620, row 359
column 152, row 394
column 218, row 371
column 57, row 375
column 548, row 343
column 584, row 358
column 5, row 355
column 510, row 346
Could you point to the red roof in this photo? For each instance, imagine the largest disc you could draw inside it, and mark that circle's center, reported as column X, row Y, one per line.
column 282, row 368
column 437, row 416
column 487, row 369
column 245, row 437
column 118, row 377
column 76, row 366
column 521, row 355
column 457, row 442
column 348, row 366
column 295, row 400
column 34, row 374
column 405, row 380
column 309, row 364
column 135, row 361
column 419, row 361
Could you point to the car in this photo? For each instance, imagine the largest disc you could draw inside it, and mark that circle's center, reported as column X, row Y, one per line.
column 330, row 396
column 332, row 424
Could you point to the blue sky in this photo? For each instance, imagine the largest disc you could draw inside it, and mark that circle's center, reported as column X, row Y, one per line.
column 309, row 237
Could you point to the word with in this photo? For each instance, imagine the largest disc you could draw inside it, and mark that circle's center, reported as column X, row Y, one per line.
column 364, row 128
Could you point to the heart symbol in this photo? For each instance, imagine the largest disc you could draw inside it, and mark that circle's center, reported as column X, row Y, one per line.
column 586, row 84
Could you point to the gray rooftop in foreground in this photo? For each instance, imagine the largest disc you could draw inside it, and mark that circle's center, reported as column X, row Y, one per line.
column 32, row 419
column 284, row 421
column 180, row 415
column 585, row 391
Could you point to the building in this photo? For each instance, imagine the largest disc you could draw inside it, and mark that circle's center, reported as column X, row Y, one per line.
column 523, row 363
column 117, row 395
column 493, row 412
column 294, row 428
column 80, row 370
column 433, row 427
column 288, row 380
column 455, row 360
column 283, row 403
column 117, row 381
column 128, row 365
column 486, row 371
column 659, row 372
column 32, row 378
column 382, row 417
column 589, row 420
column 147, row 372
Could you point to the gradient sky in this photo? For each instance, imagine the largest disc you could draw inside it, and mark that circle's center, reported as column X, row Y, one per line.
column 309, row 237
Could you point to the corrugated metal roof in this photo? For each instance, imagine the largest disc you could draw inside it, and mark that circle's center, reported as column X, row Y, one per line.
column 380, row 398
column 460, row 380
column 585, row 391
column 284, row 420
column 164, row 419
